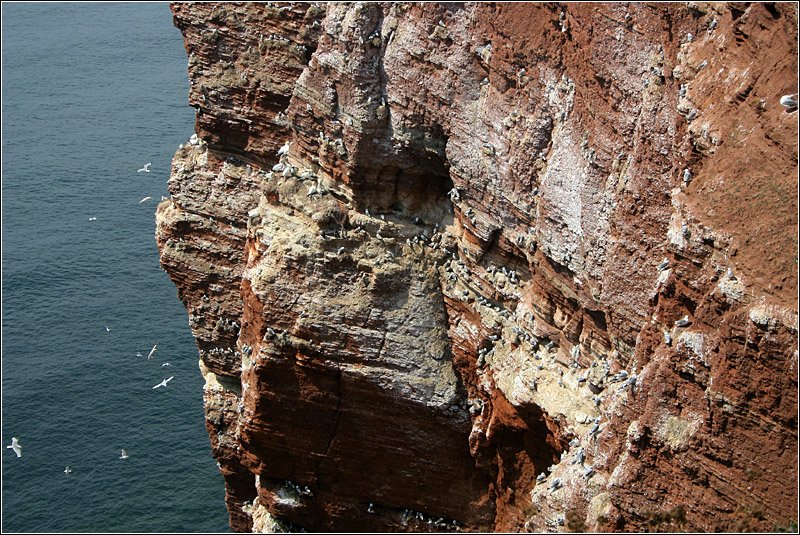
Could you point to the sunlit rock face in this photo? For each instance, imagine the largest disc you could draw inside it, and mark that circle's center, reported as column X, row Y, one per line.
column 492, row 267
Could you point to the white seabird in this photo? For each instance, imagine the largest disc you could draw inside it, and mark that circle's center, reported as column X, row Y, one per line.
column 15, row 446
column 108, row 329
column 150, row 355
column 146, row 168
column 285, row 149
column 164, row 382
column 68, row 470
column 789, row 102
column 166, row 365
column 92, row 219
column 145, row 199
column 123, row 454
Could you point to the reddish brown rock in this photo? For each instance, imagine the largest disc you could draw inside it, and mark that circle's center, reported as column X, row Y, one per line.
column 439, row 305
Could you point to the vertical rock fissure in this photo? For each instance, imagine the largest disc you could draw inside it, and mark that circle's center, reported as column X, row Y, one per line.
column 336, row 417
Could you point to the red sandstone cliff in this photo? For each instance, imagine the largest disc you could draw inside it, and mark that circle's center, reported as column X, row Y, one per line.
column 422, row 249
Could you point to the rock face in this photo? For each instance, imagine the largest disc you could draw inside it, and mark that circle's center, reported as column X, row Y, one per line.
column 493, row 266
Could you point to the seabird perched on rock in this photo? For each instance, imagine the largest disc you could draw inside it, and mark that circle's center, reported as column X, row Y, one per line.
column 730, row 275
column 595, row 428
column 687, row 176
column 789, row 102
column 683, row 322
column 15, row 445
column 285, row 149
column 664, row 264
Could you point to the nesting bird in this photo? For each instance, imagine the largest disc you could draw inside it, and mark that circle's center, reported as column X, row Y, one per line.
column 687, row 176
column 285, row 149
column 664, row 264
column 683, row 322
column 789, row 102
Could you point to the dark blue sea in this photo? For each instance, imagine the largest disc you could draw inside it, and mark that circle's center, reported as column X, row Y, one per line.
column 90, row 93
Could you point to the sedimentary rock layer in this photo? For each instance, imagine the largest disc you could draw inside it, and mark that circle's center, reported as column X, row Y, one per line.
column 492, row 266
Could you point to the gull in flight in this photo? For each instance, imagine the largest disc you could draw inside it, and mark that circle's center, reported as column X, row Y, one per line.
column 92, row 219
column 166, row 365
column 123, row 454
column 145, row 199
column 15, row 446
column 108, row 329
column 139, row 354
column 68, row 470
column 146, row 168
column 164, row 382
column 150, row 355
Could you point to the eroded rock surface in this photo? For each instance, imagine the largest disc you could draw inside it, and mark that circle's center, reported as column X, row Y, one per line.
column 493, row 266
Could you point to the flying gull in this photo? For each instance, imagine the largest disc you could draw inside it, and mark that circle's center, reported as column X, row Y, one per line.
column 68, row 470
column 15, row 446
column 164, row 382
column 123, row 454
column 150, row 355
column 145, row 199
column 146, row 168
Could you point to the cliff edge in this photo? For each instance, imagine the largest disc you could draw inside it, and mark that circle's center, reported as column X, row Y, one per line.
column 493, row 267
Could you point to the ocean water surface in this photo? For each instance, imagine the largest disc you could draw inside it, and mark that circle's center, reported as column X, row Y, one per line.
column 91, row 92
